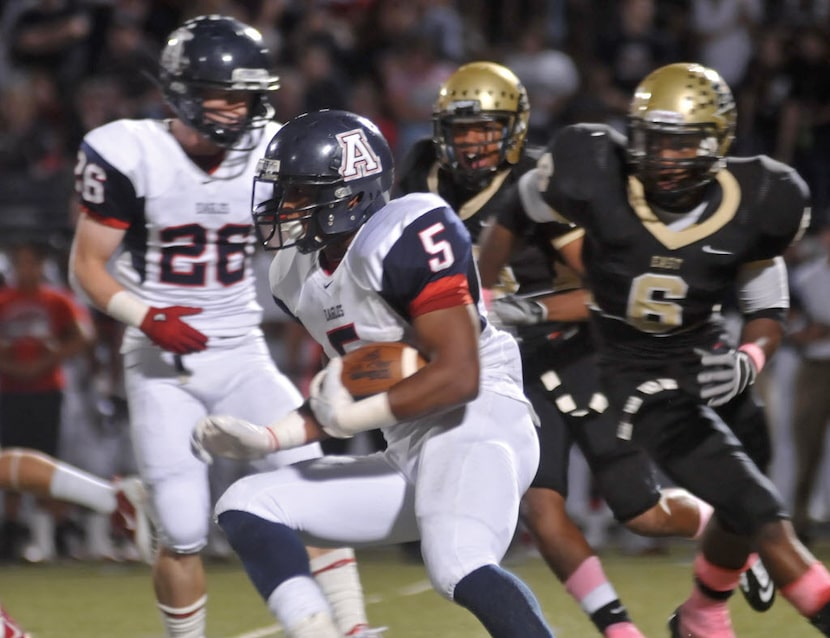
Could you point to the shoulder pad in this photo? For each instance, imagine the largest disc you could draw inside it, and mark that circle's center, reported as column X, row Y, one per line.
column 586, row 156
column 776, row 200
column 415, row 167
column 122, row 143
column 786, row 203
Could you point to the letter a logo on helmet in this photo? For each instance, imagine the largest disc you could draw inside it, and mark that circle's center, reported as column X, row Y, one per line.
column 359, row 160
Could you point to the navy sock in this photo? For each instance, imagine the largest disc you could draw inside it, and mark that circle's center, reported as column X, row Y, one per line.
column 502, row 603
column 271, row 552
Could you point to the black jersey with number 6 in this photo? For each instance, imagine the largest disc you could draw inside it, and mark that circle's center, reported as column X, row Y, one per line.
column 648, row 277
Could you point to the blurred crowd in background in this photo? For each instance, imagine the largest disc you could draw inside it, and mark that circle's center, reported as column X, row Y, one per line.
column 68, row 66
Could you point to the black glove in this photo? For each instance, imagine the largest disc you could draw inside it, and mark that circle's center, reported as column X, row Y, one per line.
column 724, row 375
column 519, row 311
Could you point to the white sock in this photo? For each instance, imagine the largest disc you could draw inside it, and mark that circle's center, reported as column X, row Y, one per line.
column 98, row 540
column 298, row 602
column 75, row 486
column 185, row 622
column 336, row 573
column 43, row 532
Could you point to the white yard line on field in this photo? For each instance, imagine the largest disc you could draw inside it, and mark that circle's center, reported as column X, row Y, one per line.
column 413, row 589
column 273, row 630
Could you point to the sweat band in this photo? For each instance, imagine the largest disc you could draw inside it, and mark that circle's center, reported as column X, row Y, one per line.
column 127, row 308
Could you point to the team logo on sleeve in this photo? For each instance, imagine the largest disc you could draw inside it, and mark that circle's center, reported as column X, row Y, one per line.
column 359, row 160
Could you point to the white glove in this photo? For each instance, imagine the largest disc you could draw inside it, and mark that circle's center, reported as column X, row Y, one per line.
column 338, row 413
column 230, row 437
column 724, row 375
column 519, row 311
column 328, row 396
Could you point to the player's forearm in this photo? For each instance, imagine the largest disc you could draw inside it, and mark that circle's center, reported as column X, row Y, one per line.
column 94, row 280
column 93, row 246
column 567, row 306
column 764, row 333
column 297, row 428
column 104, row 291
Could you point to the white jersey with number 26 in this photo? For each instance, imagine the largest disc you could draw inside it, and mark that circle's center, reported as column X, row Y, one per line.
column 189, row 236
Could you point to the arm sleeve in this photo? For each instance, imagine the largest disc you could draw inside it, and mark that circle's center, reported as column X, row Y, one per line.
column 105, row 193
column 763, row 289
column 430, row 267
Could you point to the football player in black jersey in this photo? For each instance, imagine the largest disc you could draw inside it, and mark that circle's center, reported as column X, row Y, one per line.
column 474, row 160
column 671, row 225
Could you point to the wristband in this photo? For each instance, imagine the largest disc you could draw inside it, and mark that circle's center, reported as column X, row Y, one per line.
column 366, row 414
column 755, row 354
column 127, row 308
column 289, row 431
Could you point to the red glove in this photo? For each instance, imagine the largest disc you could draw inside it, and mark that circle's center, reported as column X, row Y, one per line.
column 167, row 330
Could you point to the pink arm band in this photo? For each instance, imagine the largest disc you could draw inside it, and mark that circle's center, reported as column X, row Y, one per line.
column 755, row 354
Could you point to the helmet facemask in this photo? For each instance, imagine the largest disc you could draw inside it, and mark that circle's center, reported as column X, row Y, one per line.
column 681, row 123
column 674, row 162
column 323, row 175
column 234, row 133
column 474, row 147
column 306, row 214
column 491, row 96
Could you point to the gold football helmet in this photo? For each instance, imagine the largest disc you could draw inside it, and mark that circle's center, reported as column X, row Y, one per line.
column 490, row 98
column 681, row 123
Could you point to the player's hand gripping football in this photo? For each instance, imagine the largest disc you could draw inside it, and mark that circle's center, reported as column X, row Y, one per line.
column 230, row 437
column 518, row 311
column 167, row 330
column 724, row 375
column 328, row 397
column 337, row 412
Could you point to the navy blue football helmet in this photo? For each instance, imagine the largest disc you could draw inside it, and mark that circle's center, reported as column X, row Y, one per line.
column 217, row 52
column 323, row 175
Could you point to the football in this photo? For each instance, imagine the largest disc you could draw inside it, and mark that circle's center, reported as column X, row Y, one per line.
column 378, row 366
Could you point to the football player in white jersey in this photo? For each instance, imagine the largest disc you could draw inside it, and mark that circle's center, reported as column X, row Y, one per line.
column 174, row 195
column 355, row 268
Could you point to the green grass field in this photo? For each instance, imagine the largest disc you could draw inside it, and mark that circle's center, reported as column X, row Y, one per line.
column 84, row 600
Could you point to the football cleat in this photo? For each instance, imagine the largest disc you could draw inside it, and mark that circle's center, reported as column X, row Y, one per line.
column 131, row 518
column 674, row 626
column 9, row 628
column 757, row 587
column 716, row 624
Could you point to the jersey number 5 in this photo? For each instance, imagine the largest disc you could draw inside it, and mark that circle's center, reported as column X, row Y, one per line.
column 441, row 248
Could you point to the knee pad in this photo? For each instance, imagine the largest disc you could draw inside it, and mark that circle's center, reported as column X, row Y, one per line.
column 185, row 536
column 271, row 552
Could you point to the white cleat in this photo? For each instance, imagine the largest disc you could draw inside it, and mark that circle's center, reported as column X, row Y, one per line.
column 131, row 517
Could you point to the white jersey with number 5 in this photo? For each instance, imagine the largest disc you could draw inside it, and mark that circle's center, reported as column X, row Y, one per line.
column 410, row 258
column 189, row 238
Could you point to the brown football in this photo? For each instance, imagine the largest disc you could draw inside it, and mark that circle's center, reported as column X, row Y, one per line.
column 378, row 366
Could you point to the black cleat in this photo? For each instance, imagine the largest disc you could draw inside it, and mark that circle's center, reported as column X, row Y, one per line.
column 674, row 624
column 757, row 587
